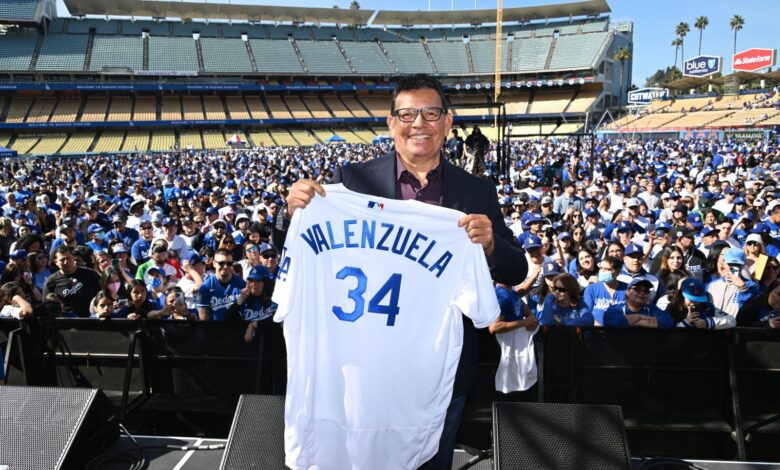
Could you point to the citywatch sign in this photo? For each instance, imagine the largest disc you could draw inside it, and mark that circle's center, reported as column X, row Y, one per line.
column 646, row 95
column 753, row 60
column 702, row 66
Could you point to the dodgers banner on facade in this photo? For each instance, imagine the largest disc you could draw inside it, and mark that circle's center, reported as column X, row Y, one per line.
column 702, row 66
column 646, row 95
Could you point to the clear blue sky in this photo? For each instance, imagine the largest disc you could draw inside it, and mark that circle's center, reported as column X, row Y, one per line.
column 654, row 23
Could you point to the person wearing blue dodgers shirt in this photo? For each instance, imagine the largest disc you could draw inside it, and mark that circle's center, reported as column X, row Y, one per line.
column 608, row 291
column 220, row 290
column 564, row 306
column 251, row 305
column 692, row 307
column 416, row 169
column 632, row 268
column 638, row 311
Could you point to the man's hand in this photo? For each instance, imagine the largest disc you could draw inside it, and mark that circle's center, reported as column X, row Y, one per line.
column 480, row 230
column 774, row 322
column 301, row 194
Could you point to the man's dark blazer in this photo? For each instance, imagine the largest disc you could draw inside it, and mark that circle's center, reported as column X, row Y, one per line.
column 460, row 191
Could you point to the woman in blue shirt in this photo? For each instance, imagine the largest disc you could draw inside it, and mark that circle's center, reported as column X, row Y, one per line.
column 565, row 306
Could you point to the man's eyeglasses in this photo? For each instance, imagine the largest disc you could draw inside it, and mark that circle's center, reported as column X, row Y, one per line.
column 224, row 264
column 270, row 255
column 641, row 290
column 146, row 227
column 431, row 113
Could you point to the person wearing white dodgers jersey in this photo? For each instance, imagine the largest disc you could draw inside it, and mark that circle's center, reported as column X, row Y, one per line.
column 415, row 169
column 372, row 357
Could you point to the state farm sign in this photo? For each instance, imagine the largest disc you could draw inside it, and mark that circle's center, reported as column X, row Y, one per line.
column 753, row 59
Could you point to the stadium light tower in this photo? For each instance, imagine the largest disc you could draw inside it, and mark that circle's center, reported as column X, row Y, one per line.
column 499, row 21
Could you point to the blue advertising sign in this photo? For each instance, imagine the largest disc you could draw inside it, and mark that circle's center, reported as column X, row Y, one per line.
column 646, row 95
column 702, row 66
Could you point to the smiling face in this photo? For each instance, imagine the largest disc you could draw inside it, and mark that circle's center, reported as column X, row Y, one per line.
column 419, row 140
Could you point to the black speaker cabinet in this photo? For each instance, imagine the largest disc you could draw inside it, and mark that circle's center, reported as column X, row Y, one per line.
column 53, row 428
column 256, row 439
column 558, row 436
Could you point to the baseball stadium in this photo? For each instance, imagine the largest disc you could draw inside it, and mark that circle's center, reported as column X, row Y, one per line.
column 152, row 154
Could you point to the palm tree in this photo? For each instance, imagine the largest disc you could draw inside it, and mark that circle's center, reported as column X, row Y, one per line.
column 736, row 24
column 677, row 42
column 701, row 23
column 681, row 30
column 622, row 55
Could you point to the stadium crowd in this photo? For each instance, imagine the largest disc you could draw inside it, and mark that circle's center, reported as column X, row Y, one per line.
column 625, row 233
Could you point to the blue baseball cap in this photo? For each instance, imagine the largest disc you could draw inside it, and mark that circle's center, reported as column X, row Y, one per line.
column 94, row 228
column 232, row 199
column 591, row 211
column 563, row 235
column 534, row 218
column 639, row 280
column 663, row 226
column 707, row 231
column 267, row 247
column 18, row 254
column 259, row 273
column 532, row 241
column 551, row 269
column 694, row 290
column 633, row 248
column 196, row 259
column 734, row 256
column 168, row 221
column 211, row 210
column 695, row 220
column 624, row 226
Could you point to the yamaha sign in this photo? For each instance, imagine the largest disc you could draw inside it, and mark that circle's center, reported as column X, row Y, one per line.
column 702, row 66
column 646, row 95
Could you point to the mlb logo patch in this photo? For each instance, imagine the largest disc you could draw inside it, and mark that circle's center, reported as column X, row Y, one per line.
column 376, row 205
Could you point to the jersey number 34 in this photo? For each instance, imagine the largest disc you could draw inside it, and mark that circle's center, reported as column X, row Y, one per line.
column 392, row 287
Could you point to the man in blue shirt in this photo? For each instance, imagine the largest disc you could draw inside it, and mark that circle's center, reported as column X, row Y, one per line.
column 638, row 310
column 220, row 290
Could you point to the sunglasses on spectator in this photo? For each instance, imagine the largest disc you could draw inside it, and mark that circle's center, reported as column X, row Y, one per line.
column 270, row 255
column 559, row 289
column 641, row 290
column 224, row 264
column 252, row 249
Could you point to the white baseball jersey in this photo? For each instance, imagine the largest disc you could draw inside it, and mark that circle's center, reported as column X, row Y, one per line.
column 371, row 292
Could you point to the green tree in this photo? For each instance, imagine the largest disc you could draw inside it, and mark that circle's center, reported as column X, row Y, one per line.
column 677, row 42
column 736, row 23
column 663, row 76
column 622, row 56
column 701, row 23
column 682, row 30
column 354, row 5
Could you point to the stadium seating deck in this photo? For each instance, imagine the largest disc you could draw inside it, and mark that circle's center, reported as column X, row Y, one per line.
column 49, row 144
column 24, row 143
column 78, row 143
column 283, row 137
column 568, row 128
column 516, row 103
column 304, row 137
column 483, row 54
column 104, row 52
column 4, row 139
column 213, row 107
column 365, row 135
column 256, row 107
column 95, row 109
column 41, row 109
column 188, row 28
column 18, row 9
column 469, row 111
column 121, row 109
column 190, row 139
column 162, row 140
column 177, row 54
column 583, row 101
column 697, row 119
column 62, row 52
column 735, row 101
column 378, row 107
column 687, row 103
column 653, row 120
column 323, row 58
column 16, row 51
column 261, row 139
column 278, row 108
column 18, row 109
column 318, row 110
column 154, row 28
column 171, row 108
column 297, row 109
column 275, row 56
column 193, row 108
column 66, row 110
column 213, row 139
column 145, row 109
column 367, row 58
column 551, row 102
column 532, row 130
column 577, row 51
column 449, row 57
column 772, row 121
column 530, row 54
column 109, row 141
column 237, row 107
column 338, row 108
column 409, row 57
column 82, row 26
column 225, row 55
column 136, row 141
column 745, row 117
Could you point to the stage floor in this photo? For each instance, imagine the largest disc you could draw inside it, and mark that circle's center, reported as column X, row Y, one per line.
column 169, row 459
